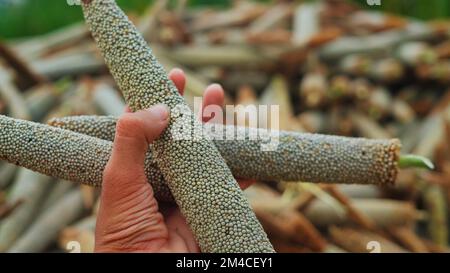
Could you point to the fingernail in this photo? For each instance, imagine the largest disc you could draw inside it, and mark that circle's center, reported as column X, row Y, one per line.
column 177, row 70
column 215, row 85
column 161, row 111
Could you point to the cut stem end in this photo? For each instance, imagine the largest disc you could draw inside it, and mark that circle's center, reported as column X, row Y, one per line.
column 415, row 161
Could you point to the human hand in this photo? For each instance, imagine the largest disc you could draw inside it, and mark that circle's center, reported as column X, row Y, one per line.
column 130, row 218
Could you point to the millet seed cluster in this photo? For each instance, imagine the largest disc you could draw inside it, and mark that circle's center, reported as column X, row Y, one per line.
column 81, row 157
column 297, row 157
column 202, row 184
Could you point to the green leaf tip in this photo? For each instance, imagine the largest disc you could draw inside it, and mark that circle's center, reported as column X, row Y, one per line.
column 415, row 161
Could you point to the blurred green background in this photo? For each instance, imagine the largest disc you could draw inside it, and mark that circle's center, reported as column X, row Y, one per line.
column 31, row 17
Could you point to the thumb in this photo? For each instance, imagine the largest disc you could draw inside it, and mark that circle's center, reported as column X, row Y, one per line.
column 128, row 217
column 134, row 132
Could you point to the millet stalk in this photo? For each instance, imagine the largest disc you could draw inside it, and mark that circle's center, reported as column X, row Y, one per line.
column 297, row 157
column 200, row 181
column 81, row 158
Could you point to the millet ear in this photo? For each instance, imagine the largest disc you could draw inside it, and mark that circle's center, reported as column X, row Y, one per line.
column 200, row 181
column 298, row 156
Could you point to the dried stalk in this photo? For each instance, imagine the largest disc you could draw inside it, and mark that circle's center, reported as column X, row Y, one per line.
column 82, row 232
column 226, row 55
column 148, row 22
column 438, row 223
column 28, row 77
column 6, row 210
column 271, row 18
column 108, row 100
column 353, row 212
column 195, row 84
column 69, row 64
column 281, row 221
column 376, row 43
column 60, row 189
column 367, row 127
column 45, row 229
column 382, row 212
column 361, row 191
column 53, row 41
column 7, row 173
column 306, row 22
column 289, row 226
column 12, row 96
column 239, row 15
column 277, row 93
column 406, row 237
column 360, row 241
column 41, row 99
column 334, row 249
column 29, row 187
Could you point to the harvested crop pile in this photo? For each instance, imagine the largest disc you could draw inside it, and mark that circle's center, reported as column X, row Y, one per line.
column 358, row 92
